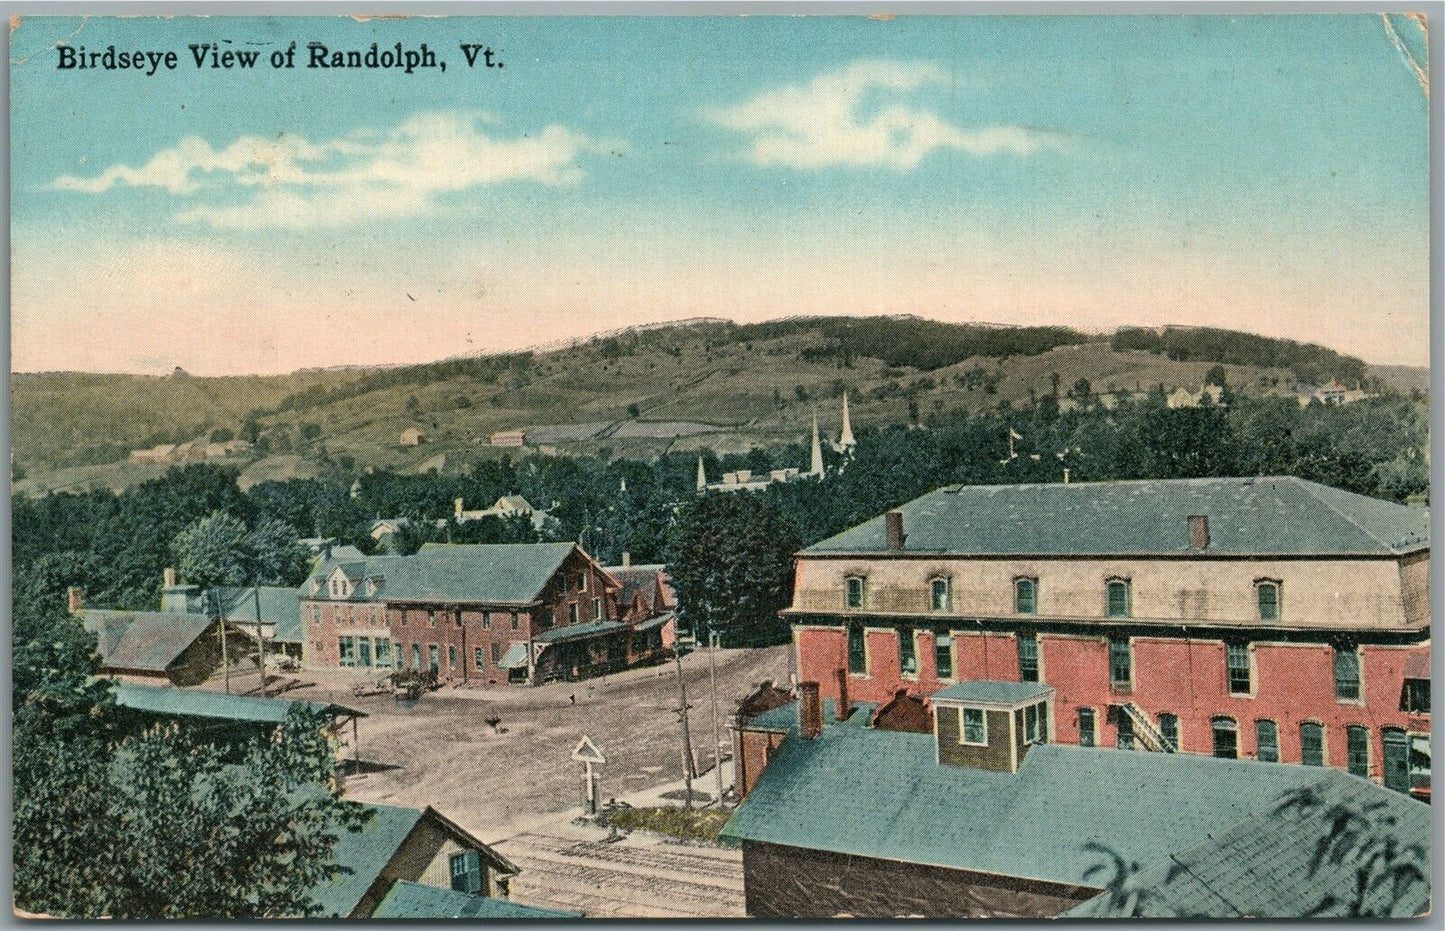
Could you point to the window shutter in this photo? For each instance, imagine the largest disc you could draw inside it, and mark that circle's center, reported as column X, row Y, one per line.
column 474, row 872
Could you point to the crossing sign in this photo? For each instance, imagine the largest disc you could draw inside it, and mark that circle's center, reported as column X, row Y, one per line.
column 587, row 752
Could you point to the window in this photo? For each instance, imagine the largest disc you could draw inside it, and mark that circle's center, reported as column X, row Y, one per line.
column 1026, row 596
column 1124, row 732
column 1241, row 680
column 1266, row 741
column 348, row 651
column 514, row 620
column 1267, row 595
column 582, row 582
column 416, row 656
column 940, row 595
column 1312, row 744
column 974, row 729
column 459, row 617
column 316, row 615
column 1397, row 760
column 1028, row 658
column 1347, row 674
column 943, row 655
column 480, row 658
column 496, row 653
column 466, row 869
column 1036, row 723
column 335, row 589
column 855, row 591
column 383, row 652
column 1121, row 662
column 1357, row 750
column 1119, row 600
column 857, row 650
column 431, row 618
column 486, row 620
column 572, row 613
column 1226, row 738
column 907, row 652
column 451, row 657
column 597, row 609
column 363, row 652
column 1087, row 736
column 434, row 656
column 1415, row 696
column 1169, row 730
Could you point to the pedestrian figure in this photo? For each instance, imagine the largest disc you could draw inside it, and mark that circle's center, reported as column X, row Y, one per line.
column 572, row 698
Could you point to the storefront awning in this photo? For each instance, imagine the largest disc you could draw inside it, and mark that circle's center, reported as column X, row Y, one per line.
column 515, row 657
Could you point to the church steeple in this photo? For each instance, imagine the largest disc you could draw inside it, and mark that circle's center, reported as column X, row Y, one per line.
column 701, row 476
column 817, row 462
column 846, row 442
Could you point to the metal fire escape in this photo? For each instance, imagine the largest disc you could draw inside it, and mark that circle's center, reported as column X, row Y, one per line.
column 1146, row 732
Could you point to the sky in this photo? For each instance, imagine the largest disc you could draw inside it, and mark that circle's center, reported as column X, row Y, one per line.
column 1265, row 173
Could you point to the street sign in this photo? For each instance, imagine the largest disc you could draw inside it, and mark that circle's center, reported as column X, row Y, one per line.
column 587, row 752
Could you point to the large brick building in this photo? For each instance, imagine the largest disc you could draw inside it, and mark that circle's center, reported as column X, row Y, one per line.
column 1265, row 618
column 486, row 613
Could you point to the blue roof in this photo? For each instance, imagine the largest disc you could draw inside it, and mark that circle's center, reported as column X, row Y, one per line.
column 414, row 900
column 198, row 703
column 877, row 793
column 994, row 692
column 1247, row 516
column 515, row 657
column 280, row 606
column 502, row 573
column 558, row 634
column 785, row 717
column 364, row 854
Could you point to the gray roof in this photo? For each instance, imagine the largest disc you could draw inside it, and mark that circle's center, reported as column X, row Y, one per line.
column 993, row 692
column 1035, row 824
column 578, row 631
column 1247, row 516
column 415, row 900
column 279, row 606
column 143, row 640
column 199, row 703
column 1264, row 866
column 500, row 573
column 364, row 854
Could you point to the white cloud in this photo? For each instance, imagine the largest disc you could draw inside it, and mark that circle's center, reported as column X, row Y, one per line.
column 291, row 182
column 819, row 124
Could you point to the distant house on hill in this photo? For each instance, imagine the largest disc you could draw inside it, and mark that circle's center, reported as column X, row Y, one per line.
column 510, row 438
column 412, row 436
column 505, row 506
column 1183, row 397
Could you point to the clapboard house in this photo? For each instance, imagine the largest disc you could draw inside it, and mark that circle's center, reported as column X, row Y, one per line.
column 987, row 817
column 1246, row 618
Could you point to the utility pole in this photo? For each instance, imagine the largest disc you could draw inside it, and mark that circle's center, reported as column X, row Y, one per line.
column 213, row 606
column 716, row 737
column 689, row 766
column 260, row 641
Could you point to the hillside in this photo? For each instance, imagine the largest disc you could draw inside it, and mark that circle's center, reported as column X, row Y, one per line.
column 699, row 384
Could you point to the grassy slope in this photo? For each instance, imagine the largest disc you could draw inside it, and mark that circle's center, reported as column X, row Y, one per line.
column 698, row 373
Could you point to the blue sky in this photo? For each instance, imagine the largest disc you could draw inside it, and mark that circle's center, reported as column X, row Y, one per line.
column 1267, row 173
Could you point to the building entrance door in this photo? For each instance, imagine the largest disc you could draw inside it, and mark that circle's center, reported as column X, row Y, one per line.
column 1397, row 760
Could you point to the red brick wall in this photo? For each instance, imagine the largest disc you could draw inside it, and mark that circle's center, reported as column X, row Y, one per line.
column 1293, row 683
column 321, row 637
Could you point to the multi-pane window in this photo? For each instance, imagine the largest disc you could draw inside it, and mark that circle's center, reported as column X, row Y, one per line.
column 1028, row 658
column 1124, row 732
column 466, row 870
column 1119, row 600
column 1347, row 673
column 431, row 618
column 1086, row 727
column 1267, row 595
column 1226, row 738
column 572, row 613
column 907, row 652
column 348, row 651
column 514, row 620
column 1415, row 696
column 434, row 657
column 1026, row 596
column 1312, row 744
column 480, row 658
column 363, row 652
column 458, row 617
column 486, row 620
column 854, row 586
column 597, row 609
column 857, row 650
column 1266, row 741
column 940, row 595
column 451, row 657
column 416, row 656
column 1169, row 730
column 383, row 652
column 496, row 653
column 943, row 655
column 1036, row 726
column 1357, row 749
column 974, row 730
column 1121, row 661
column 1241, row 679
column 582, row 582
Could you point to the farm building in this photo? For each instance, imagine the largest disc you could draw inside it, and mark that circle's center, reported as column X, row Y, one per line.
column 412, row 436
column 509, row 438
column 154, row 646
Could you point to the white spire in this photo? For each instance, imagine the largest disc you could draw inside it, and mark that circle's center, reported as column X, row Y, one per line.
column 817, row 463
column 846, row 441
column 701, row 476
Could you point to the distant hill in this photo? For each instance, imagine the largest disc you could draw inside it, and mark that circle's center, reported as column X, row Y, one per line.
column 705, row 383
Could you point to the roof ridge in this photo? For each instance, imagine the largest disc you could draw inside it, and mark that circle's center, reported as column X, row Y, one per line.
column 1309, row 487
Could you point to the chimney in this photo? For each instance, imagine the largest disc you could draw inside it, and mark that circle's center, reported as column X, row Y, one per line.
column 845, row 707
column 168, row 576
column 893, row 521
column 810, row 711
column 457, row 508
column 626, row 559
column 77, row 600
column 1198, row 532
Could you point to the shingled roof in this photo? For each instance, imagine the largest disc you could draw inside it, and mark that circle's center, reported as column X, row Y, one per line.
column 1035, row 824
column 219, row 706
column 143, row 640
column 501, row 573
column 414, row 900
column 1279, row 515
column 280, row 606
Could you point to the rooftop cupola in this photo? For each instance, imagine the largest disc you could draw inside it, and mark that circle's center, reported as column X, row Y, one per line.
column 991, row 725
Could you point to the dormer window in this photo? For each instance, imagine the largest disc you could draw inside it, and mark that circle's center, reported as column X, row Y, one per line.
column 1266, row 593
column 941, row 595
column 1026, row 596
column 974, row 727
column 854, row 589
column 1120, row 601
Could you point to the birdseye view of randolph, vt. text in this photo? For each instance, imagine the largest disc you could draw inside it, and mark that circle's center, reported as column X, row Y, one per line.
column 721, row 467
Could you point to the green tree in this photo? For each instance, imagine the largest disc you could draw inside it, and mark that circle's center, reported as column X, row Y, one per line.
column 1215, row 376
column 213, row 551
